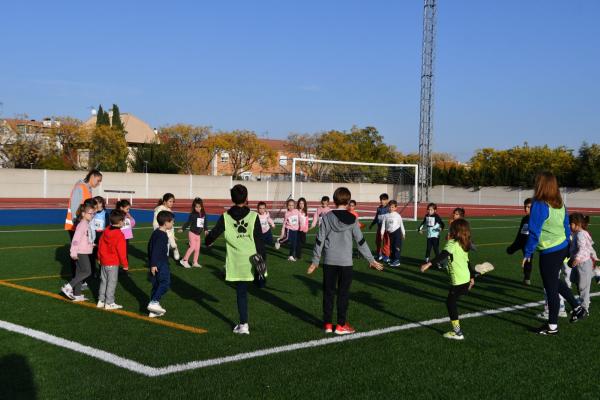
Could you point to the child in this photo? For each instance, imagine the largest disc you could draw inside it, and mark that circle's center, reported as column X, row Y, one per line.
column 462, row 279
column 82, row 246
column 302, row 227
column 127, row 226
column 166, row 204
column 435, row 226
column 334, row 245
column 266, row 225
column 394, row 227
column 243, row 239
column 582, row 257
column 320, row 212
column 352, row 210
column 289, row 230
column 383, row 243
column 158, row 261
column 99, row 224
column 521, row 239
column 112, row 252
column 197, row 223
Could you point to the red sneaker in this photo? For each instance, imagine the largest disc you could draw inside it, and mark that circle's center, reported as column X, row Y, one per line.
column 344, row 330
column 328, row 328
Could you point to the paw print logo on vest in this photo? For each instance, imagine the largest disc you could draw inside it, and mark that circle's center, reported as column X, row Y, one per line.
column 241, row 226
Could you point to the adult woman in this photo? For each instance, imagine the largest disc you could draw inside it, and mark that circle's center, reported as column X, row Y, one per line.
column 549, row 234
column 81, row 192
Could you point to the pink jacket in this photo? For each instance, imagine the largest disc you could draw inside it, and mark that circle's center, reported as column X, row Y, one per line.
column 292, row 220
column 318, row 214
column 582, row 247
column 266, row 222
column 303, row 222
column 82, row 243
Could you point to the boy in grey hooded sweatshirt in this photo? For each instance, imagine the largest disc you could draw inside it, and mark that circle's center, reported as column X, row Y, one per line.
column 334, row 244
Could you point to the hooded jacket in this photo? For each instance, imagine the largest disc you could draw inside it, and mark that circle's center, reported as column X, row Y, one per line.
column 334, row 241
column 112, row 248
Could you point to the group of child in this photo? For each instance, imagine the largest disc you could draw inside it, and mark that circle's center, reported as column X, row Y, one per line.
column 246, row 233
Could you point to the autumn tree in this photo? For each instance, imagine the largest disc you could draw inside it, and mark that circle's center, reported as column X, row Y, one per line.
column 108, row 149
column 187, row 146
column 245, row 150
column 71, row 138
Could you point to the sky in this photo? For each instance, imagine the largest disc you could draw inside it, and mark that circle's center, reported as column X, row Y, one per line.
column 506, row 72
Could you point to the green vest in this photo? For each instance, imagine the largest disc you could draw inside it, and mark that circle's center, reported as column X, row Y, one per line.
column 239, row 240
column 553, row 229
column 458, row 268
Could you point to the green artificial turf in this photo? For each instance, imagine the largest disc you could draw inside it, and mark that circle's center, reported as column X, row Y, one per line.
column 499, row 358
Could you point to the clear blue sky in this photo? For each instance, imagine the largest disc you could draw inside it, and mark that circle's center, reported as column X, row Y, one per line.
column 506, row 71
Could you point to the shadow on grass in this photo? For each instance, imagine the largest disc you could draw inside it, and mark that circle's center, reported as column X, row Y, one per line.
column 133, row 289
column 16, row 379
column 62, row 255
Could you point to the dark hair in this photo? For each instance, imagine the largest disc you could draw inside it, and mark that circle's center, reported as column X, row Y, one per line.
column 324, row 198
column 341, row 196
column 197, row 201
column 116, row 216
column 166, row 197
column 461, row 232
column 164, row 216
column 580, row 220
column 460, row 211
column 547, row 190
column 239, row 194
column 305, row 208
column 384, row 196
column 288, row 201
column 91, row 202
column 432, row 205
column 261, row 203
column 527, row 202
column 122, row 204
column 352, row 202
column 100, row 200
column 93, row 172
column 393, row 203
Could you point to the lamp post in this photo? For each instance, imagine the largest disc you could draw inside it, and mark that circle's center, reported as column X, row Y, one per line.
column 145, row 167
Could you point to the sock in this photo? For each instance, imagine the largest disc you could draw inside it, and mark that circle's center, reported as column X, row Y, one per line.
column 553, row 326
column 455, row 325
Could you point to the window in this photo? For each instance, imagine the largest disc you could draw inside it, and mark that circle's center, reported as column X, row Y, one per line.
column 283, row 160
column 224, row 157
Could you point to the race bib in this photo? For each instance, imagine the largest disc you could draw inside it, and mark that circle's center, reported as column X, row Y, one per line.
column 525, row 229
column 264, row 223
column 99, row 224
column 293, row 220
column 126, row 224
column 430, row 221
column 200, row 222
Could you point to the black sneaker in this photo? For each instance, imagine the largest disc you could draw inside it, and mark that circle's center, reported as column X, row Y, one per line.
column 545, row 330
column 578, row 313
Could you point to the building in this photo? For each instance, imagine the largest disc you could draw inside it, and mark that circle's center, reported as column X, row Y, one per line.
column 137, row 132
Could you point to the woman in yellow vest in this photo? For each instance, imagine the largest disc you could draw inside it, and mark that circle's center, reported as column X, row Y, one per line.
column 549, row 234
column 81, row 192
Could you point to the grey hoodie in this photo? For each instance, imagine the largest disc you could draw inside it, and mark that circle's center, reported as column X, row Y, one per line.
column 334, row 240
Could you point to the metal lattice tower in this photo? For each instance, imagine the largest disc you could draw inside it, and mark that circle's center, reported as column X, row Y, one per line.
column 426, row 124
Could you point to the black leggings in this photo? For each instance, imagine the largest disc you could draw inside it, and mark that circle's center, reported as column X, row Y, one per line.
column 453, row 295
column 340, row 277
column 527, row 268
column 433, row 242
column 550, row 264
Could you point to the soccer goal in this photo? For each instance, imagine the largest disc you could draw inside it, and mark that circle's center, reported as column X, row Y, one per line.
column 313, row 178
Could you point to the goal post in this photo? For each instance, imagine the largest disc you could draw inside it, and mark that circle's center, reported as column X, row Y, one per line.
column 312, row 178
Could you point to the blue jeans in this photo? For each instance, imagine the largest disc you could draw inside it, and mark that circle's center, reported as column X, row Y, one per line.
column 395, row 244
column 160, row 282
column 293, row 242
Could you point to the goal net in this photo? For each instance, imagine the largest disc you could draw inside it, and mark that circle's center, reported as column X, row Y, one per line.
column 313, row 179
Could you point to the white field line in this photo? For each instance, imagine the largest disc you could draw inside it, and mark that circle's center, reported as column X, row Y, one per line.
column 146, row 370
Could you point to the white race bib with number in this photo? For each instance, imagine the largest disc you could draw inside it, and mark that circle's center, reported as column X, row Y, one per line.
column 293, row 220
column 430, row 221
column 525, row 229
column 200, row 222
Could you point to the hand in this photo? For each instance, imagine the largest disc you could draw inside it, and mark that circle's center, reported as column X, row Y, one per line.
column 74, row 258
column 471, row 283
column 425, row 267
column 312, row 268
column 376, row 265
column 154, row 270
column 525, row 261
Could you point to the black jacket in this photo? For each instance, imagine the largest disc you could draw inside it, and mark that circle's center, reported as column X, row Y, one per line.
column 522, row 235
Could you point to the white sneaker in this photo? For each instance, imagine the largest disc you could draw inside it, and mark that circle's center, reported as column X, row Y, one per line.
column 79, row 298
column 196, row 265
column 242, row 329
column 185, row 264
column 563, row 313
column 67, row 290
column 176, row 254
column 84, row 286
column 100, row 304
column 291, row 258
column 155, row 315
column 155, row 307
column 113, row 306
column 277, row 245
column 544, row 315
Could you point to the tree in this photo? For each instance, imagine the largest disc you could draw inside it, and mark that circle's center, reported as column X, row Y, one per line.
column 71, row 137
column 187, row 145
column 588, row 166
column 116, row 122
column 108, row 149
column 245, row 151
column 153, row 158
